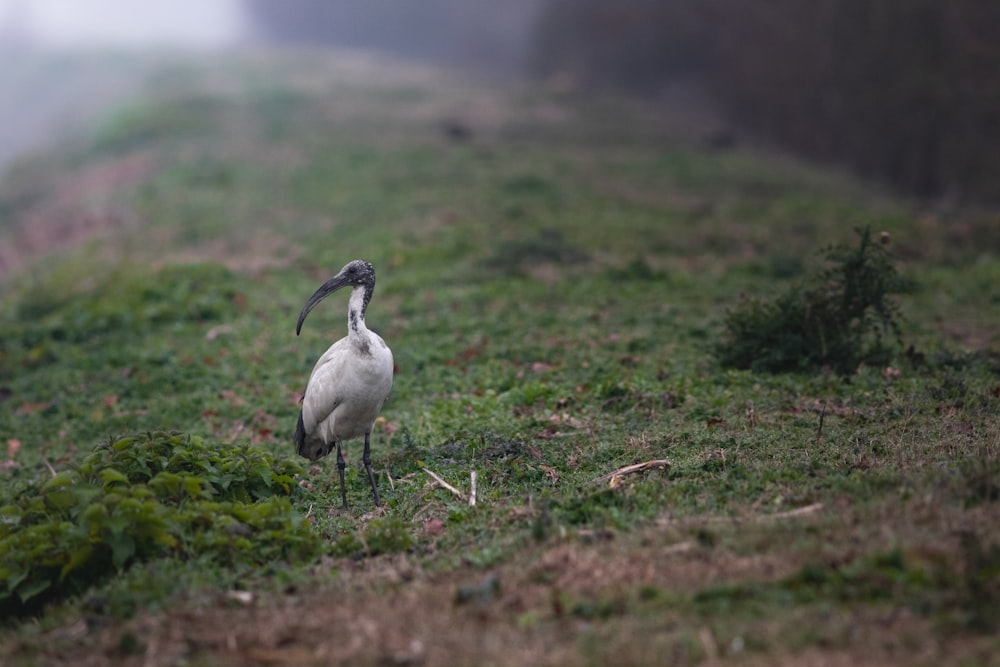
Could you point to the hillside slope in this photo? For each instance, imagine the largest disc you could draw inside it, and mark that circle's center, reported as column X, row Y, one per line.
column 554, row 274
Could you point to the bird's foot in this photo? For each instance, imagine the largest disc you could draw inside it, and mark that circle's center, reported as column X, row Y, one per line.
column 339, row 511
column 376, row 513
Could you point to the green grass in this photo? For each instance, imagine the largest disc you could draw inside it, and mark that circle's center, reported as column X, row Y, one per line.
column 553, row 291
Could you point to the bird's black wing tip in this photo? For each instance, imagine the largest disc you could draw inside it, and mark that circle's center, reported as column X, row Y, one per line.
column 300, row 434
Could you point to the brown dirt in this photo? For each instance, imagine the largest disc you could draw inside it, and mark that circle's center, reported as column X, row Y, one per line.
column 595, row 597
column 81, row 208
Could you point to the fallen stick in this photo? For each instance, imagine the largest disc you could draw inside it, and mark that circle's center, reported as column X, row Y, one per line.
column 49, row 466
column 472, row 488
column 611, row 477
column 680, row 547
column 709, row 645
column 797, row 512
column 445, row 484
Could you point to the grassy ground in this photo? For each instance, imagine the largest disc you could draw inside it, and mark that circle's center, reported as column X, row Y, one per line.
column 553, row 273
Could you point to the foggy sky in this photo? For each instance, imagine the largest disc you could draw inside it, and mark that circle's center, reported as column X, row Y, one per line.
column 121, row 23
column 472, row 32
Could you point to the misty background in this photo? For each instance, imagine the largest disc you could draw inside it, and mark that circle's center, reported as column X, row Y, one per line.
column 904, row 92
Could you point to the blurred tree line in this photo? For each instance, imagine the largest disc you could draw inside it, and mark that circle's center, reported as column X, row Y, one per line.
column 487, row 34
column 905, row 91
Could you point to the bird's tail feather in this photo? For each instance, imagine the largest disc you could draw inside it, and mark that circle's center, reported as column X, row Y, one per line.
column 300, row 435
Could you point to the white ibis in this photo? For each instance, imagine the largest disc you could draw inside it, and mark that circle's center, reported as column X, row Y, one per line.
column 350, row 382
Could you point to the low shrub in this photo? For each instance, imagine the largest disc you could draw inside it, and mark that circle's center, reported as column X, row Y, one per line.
column 838, row 318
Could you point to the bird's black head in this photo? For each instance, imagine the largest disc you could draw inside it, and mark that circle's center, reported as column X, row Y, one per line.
column 358, row 273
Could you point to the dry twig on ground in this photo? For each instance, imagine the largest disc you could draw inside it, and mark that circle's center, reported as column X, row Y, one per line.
column 614, row 478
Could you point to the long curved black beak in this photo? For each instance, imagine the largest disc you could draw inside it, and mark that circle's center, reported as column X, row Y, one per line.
column 326, row 289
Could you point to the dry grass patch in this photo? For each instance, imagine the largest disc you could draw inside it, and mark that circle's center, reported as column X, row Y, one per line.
column 642, row 597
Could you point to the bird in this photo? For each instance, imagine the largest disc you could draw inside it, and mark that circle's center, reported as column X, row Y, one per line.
column 351, row 381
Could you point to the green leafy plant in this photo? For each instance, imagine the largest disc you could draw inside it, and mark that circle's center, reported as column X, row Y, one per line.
column 231, row 472
column 142, row 497
column 841, row 317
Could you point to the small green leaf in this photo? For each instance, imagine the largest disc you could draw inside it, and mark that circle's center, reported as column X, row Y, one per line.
column 122, row 548
column 79, row 557
column 111, row 476
column 32, row 588
column 61, row 480
column 13, row 577
column 62, row 500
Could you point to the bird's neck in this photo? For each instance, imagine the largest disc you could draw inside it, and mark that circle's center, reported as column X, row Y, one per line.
column 358, row 304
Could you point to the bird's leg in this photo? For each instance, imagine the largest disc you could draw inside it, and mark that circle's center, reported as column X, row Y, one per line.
column 367, row 459
column 340, row 468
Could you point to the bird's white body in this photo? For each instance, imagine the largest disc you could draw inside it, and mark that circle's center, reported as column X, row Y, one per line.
column 351, row 381
column 347, row 389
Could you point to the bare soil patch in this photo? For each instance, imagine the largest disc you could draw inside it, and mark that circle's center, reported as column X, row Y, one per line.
column 592, row 596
